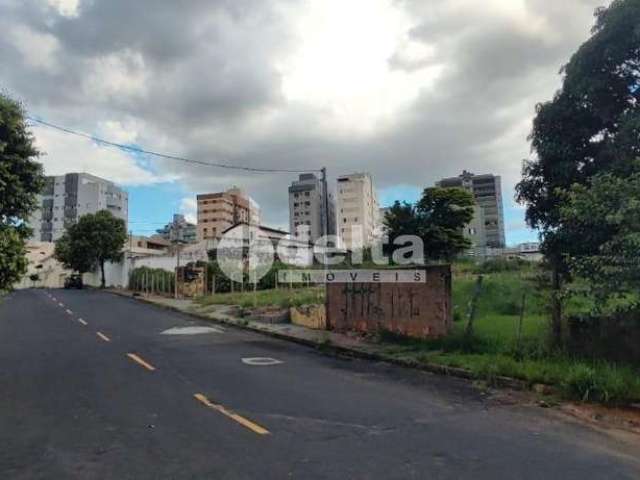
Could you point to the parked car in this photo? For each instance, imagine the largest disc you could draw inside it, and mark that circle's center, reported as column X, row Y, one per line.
column 73, row 281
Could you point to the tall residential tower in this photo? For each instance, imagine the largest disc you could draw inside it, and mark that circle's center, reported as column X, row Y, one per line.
column 66, row 198
column 219, row 211
column 358, row 211
column 179, row 230
column 487, row 192
column 311, row 209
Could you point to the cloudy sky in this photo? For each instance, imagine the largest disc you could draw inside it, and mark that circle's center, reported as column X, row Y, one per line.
column 408, row 90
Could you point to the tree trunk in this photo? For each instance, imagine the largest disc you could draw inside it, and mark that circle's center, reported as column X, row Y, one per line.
column 102, row 281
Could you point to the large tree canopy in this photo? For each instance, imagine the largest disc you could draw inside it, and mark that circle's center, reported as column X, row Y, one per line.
column 438, row 219
column 20, row 182
column 95, row 239
column 607, row 213
column 592, row 124
column 20, row 176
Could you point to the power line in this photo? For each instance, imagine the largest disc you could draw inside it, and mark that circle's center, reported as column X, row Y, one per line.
column 164, row 155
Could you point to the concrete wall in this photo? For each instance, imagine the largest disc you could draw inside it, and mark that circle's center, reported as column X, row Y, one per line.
column 115, row 274
column 310, row 316
column 422, row 310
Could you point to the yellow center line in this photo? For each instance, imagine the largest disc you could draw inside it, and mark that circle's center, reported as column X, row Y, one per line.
column 103, row 336
column 254, row 427
column 82, row 322
column 140, row 361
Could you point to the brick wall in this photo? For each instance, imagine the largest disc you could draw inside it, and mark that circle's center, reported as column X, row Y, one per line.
column 421, row 310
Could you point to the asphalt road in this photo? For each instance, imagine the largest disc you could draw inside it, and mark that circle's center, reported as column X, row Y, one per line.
column 91, row 387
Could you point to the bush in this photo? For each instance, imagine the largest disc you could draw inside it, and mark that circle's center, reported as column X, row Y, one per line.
column 156, row 280
column 498, row 265
column 601, row 383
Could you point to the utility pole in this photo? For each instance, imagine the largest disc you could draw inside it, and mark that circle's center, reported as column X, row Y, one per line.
column 326, row 200
column 177, row 267
column 326, row 212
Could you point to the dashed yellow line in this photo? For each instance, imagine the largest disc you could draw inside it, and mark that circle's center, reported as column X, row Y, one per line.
column 254, row 427
column 103, row 336
column 83, row 322
column 140, row 361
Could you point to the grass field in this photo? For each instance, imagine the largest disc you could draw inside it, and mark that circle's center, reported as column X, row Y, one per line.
column 495, row 350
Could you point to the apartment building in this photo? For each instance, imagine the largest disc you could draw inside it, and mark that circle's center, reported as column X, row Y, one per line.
column 311, row 213
column 476, row 232
column 358, row 211
column 487, row 191
column 65, row 198
column 179, row 230
column 219, row 211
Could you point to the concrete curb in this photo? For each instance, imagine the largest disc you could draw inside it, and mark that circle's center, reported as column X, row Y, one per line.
column 502, row 382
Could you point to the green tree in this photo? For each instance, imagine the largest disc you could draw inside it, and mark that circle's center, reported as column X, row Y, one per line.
column 591, row 126
column 13, row 260
column 607, row 212
column 20, row 181
column 401, row 219
column 444, row 212
column 94, row 240
column 438, row 219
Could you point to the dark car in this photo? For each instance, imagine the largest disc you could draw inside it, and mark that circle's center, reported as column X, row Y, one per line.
column 73, row 281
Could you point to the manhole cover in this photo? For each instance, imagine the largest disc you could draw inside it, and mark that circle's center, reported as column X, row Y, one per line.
column 191, row 330
column 261, row 361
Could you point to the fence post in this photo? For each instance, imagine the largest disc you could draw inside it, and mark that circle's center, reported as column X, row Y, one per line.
column 522, row 307
column 473, row 306
column 255, row 289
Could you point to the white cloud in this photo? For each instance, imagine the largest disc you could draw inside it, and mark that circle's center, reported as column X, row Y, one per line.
column 189, row 208
column 118, row 132
column 340, row 66
column 65, row 154
column 66, row 8
column 38, row 49
column 121, row 74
